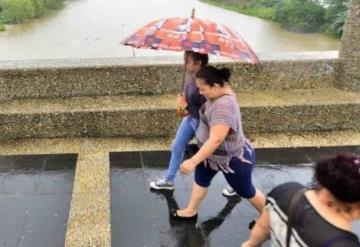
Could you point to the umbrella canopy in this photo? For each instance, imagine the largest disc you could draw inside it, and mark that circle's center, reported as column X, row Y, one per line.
column 192, row 34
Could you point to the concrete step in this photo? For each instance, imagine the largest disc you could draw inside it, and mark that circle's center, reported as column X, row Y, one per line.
column 297, row 110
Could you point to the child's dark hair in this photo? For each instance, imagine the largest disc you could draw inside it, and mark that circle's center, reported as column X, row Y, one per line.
column 212, row 75
column 340, row 174
column 203, row 58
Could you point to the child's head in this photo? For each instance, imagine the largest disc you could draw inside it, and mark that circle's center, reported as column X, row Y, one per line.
column 210, row 79
column 195, row 61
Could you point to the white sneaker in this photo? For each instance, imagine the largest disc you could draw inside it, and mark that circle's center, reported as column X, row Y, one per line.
column 162, row 184
column 229, row 191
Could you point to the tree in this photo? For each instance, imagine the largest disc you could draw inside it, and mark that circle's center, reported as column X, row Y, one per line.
column 16, row 11
column 40, row 7
column 299, row 15
column 335, row 16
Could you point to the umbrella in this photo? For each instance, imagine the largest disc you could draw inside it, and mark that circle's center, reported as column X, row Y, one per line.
column 192, row 34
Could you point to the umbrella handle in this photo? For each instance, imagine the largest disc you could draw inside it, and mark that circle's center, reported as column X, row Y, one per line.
column 183, row 79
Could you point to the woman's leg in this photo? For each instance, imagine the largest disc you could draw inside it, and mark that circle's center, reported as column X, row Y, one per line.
column 198, row 193
column 258, row 201
column 203, row 177
column 241, row 180
column 183, row 136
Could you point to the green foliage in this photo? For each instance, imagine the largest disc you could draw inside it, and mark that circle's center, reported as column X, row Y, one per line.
column 294, row 15
column 54, row 4
column 262, row 12
column 334, row 8
column 267, row 3
column 338, row 3
column 16, row 11
column 299, row 15
column 336, row 27
column 335, row 16
column 2, row 27
column 40, row 7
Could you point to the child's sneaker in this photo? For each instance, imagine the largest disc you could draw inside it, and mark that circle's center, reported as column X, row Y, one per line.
column 162, row 184
column 229, row 191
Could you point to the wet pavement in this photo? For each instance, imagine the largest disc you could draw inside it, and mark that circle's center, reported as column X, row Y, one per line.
column 140, row 216
column 36, row 191
column 35, row 194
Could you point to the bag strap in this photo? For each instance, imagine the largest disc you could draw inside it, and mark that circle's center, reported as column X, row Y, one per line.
column 292, row 208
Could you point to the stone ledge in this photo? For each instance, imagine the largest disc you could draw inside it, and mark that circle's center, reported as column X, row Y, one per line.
column 154, row 116
column 107, row 77
column 259, row 140
column 140, row 61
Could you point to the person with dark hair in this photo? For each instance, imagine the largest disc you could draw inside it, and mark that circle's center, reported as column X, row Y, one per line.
column 189, row 103
column 223, row 145
column 321, row 216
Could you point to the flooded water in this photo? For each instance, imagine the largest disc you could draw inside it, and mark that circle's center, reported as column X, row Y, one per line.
column 94, row 28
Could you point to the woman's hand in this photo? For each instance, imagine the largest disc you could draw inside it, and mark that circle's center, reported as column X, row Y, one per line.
column 188, row 166
column 181, row 101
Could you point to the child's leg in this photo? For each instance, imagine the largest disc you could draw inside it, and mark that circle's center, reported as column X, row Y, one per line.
column 183, row 136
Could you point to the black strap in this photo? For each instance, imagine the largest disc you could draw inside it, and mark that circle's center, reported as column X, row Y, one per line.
column 292, row 208
column 219, row 152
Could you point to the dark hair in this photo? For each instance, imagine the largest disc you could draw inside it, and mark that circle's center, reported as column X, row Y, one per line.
column 340, row 174
column 203, row 58
column 212, row 75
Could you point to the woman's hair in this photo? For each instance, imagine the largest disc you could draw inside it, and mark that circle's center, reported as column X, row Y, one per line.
column 340, row 174
column 212, row 75
column 203, row 58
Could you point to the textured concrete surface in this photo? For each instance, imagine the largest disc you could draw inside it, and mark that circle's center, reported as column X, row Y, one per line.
column 263, row 140
column 89, row 217
column 349, row 75
column 150, row 116
column 139, row 61
column 86, row 77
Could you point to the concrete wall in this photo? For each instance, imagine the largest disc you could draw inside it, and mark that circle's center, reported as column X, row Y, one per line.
column 66, row 78
column 349, row 74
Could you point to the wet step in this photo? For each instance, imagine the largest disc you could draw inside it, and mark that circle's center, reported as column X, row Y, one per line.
column 298, row 110
column 35, row 195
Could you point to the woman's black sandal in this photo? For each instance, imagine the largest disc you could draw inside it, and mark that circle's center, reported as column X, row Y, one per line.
column 175, row 216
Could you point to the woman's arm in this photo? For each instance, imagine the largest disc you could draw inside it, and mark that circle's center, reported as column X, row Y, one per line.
column 260, row 232
column 218, row 134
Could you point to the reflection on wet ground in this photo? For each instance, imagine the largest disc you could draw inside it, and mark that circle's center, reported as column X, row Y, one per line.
column 140, row 217
column 35, row 194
